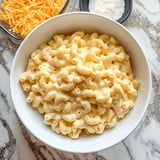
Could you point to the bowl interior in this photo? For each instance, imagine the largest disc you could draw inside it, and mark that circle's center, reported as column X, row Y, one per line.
column 67, row 23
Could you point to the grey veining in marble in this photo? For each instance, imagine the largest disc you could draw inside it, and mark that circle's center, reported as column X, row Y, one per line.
column 17, row 143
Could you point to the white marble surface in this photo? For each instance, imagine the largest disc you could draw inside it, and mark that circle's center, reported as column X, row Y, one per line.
column 16, row 143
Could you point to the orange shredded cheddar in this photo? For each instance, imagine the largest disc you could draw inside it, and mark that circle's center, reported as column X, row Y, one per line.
column 24, row 15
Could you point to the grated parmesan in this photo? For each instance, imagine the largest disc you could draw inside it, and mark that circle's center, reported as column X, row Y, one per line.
column 109, row 8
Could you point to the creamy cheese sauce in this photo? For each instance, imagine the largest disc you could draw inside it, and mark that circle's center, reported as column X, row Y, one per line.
column 109, row 8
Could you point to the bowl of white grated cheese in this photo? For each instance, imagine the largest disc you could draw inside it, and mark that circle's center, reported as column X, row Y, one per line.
column 118, row 10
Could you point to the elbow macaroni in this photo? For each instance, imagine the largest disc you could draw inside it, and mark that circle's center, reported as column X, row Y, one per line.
column 81, row 83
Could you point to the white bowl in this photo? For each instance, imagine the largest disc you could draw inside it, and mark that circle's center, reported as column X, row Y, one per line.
column 66, row 23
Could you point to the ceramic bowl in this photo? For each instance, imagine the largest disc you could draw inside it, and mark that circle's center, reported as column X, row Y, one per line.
column 64, row 24
column 84, row 6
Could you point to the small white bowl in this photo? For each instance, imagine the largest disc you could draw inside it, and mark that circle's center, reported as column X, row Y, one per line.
column 66, row 23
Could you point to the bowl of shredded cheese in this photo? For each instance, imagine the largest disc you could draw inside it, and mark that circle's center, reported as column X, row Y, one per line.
column 23, row 16
column 118, row 10
column 80, row 84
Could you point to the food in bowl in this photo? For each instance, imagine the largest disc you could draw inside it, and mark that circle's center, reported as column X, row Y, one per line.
column 63, row 23
column 118, row 10
column 22, row 16
column 80, row 82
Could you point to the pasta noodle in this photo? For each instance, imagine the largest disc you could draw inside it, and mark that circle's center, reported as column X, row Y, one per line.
column 81, row 83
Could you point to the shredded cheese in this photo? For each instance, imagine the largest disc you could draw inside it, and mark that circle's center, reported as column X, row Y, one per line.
column 24, row 15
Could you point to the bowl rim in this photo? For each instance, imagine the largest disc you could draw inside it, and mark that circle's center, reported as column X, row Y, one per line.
column 146, row 102
column 83, row 5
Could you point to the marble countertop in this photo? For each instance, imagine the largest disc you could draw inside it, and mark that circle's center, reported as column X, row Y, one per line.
column 16, row 143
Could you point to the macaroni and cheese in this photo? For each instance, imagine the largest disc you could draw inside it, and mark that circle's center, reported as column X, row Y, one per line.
column 80, row 82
